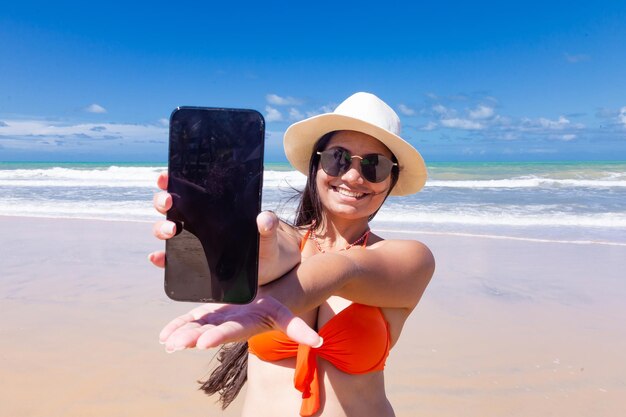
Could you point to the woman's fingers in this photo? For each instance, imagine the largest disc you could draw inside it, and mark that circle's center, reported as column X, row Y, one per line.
column 294, row 327
column 162, row 202
column 191, row 317
column 237, row 330
column 157, row 258
column 162, row 180
column 262, row 315
column 164, row 229
column 300, row 332
column 184, row 337
column 267, row 222
column 227, row 332
column 174, row 325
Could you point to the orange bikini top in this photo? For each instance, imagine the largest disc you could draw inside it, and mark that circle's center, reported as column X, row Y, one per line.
column 356, row 341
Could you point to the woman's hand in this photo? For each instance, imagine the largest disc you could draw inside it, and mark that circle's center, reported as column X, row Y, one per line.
column 162, row 229
column 211, row 325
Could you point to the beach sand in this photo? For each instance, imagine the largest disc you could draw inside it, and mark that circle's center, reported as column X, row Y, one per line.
column 506, row 328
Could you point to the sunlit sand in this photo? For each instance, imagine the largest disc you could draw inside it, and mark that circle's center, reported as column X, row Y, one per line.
column 506, row 328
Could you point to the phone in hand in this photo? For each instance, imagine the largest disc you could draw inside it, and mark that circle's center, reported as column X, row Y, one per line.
column 215, row 171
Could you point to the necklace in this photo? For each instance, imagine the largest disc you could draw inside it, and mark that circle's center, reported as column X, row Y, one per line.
column 321, row 250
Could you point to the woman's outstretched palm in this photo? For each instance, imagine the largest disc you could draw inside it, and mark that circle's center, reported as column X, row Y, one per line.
column 211, row 325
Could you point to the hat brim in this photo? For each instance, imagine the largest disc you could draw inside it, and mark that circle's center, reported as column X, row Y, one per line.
column 300, row 138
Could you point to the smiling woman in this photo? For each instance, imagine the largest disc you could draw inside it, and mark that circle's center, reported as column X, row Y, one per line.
column 327, row 272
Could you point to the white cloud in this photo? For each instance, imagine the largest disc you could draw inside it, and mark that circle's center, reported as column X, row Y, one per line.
column 321, row 110
column 164, row 122
column 294, row 114
column 439, row 109
column 622, row 116
column 564, row 137
column 95, row 108
column 282, row 101
column 501, row 120
column 272, row 115
column 481, row 112
column 561, row 124
column 406, row 110
column 429, row 126
column 456, row 123
column 542, row 150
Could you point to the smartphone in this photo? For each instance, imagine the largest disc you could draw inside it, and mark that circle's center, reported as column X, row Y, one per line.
column 215, row 171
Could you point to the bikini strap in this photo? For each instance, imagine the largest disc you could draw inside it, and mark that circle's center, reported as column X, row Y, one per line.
column 365, row 240
column 304, row 239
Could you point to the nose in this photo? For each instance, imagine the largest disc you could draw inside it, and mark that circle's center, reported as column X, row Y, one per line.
column 353, row 174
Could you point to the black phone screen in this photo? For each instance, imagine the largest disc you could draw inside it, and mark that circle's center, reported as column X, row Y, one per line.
column 215, row 178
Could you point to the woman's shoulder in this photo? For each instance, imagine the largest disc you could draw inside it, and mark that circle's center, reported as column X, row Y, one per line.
column 377, row 242
column 409, row 252
column 389, row 273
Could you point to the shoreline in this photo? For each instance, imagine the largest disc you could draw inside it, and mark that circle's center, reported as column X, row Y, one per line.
column 376, row 229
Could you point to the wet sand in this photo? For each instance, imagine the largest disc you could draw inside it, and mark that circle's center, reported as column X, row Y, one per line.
column 506, row 328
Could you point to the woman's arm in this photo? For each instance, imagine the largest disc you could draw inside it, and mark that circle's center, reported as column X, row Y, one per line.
column 279, row 249
column 394, row 274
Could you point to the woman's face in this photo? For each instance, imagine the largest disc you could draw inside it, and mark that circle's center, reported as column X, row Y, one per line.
column 349, row 195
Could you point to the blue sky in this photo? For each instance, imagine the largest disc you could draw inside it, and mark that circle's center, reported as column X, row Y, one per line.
column 471, row 81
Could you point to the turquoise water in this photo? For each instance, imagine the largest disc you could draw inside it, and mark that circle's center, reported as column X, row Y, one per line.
column 436, row 170
column 503, row 170
column 583, row 201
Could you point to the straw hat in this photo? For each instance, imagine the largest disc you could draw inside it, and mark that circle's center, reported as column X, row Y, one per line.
column 365, row 113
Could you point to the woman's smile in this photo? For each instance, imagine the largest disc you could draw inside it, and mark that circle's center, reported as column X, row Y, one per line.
column 349, row 193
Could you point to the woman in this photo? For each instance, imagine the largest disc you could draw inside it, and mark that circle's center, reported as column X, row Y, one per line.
column 329, row 270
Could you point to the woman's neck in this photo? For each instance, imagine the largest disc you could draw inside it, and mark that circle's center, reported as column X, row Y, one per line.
column 335, row 234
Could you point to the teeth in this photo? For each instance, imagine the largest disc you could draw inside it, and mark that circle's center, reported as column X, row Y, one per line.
column 349, row 193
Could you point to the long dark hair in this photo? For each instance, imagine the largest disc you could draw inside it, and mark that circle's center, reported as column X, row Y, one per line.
column 310, row 207
column 230, row 375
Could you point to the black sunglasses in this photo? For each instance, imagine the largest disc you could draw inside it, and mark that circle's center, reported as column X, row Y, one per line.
column 374, row 167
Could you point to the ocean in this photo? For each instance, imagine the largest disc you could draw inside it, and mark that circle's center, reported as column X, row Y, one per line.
column 578, row 202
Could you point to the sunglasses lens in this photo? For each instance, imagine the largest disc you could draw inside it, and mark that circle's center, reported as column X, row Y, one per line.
column 369, row 168
column 335, row 161
column 374, row 168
